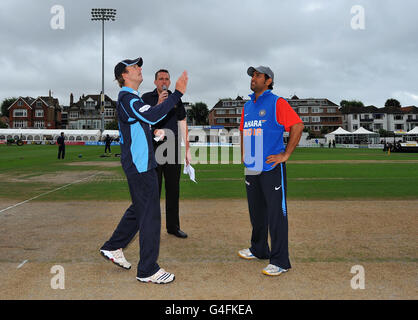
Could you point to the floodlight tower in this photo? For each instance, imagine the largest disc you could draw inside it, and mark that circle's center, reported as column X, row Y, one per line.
column 101, row 14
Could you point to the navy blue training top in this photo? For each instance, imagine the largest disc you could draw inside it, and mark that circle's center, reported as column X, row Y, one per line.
column 135, row 119
column 170, row 121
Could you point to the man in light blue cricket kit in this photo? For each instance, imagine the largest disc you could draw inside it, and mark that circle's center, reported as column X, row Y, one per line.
column 138, row 162
column 263, row 121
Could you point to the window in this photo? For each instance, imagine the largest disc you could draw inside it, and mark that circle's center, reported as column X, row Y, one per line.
column 316, row 119
column 39, row 124
column 303, row 110
column 355, row 127
column 398, row 117
column 399, row 126
column 109, row 112
column 332, row 110
column 20, row 124
column 39, row 103
column 73, row 114
column 316, row 110
column 220, row 120
column 39, row 113
column 221, row 111
column 20, row 103
column 90, row 104
column 378, row 116
column 305, row 119
column 355, row 116
column 378, row 126
column 20, row 113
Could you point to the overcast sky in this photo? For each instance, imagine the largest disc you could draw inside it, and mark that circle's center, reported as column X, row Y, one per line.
column 310, row 45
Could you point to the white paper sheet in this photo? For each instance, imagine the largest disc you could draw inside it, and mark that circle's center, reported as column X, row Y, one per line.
column 188, row 169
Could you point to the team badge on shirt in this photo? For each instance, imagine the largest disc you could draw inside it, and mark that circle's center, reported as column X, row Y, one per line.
column 262, row 113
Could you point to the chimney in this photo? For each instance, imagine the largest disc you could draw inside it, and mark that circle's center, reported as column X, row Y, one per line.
column 50, row 93
column 71, row 99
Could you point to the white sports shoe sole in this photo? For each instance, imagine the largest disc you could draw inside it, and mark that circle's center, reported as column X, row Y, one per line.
column 242, row 255
column 274, row 273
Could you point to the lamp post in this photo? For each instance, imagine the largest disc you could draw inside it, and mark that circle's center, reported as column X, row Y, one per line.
column 101, row 14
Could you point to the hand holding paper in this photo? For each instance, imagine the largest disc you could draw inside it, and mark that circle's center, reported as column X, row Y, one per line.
column 188, row 169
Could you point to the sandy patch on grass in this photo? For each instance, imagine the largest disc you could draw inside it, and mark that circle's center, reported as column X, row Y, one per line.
column 106, row 164
column 63, row 177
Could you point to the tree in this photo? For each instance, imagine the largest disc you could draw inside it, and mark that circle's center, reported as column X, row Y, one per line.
column 324, row 130
column 351, row 103
column 112, row 125
column 199, row 113
column 2, row 125
column 392, row 103
column 383, row 133
column 6, row 103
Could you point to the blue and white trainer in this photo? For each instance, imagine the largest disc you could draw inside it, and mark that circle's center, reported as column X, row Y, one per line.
column 272, row 270
column 246, row 254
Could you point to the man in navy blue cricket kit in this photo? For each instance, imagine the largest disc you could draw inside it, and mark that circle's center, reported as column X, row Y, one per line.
column 264, row 119
column 138, row 162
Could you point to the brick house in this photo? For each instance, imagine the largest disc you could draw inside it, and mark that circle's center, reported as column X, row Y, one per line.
column 227, row 113
column 317, row 114
column 43, row 112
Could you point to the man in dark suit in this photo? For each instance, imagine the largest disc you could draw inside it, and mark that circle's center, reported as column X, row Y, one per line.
column 171, row 171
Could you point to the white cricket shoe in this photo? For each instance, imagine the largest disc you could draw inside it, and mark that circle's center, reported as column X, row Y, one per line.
column 246, row 254
column 161, row 276
column 272, row 270
column 116, row 257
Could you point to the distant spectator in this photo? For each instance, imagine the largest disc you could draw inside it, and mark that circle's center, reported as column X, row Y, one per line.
column 61, row 146
column 108, row 141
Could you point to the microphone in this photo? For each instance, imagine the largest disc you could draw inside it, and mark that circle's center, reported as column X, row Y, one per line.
column 165, row 88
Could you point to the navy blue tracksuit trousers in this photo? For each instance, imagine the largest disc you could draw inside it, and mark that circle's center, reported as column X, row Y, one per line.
column 266, row 194
column 144, row 215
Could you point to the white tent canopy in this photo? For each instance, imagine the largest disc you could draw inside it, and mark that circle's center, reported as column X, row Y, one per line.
column 340, row 131
column 361, row 130
column 111, row 133
column 413, row 131
column 48, row 134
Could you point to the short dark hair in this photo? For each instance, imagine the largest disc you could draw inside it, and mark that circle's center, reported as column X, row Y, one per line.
column 121, row 81
column 266, row 77
column 161, row 70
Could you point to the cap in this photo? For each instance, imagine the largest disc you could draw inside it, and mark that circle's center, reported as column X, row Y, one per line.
column 120, row 67
column 261, row 69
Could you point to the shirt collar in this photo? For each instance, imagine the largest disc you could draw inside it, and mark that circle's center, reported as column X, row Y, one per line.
column 130, row 90
column 252, row 95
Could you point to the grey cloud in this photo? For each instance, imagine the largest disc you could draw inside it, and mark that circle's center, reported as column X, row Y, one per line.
column 309, row 44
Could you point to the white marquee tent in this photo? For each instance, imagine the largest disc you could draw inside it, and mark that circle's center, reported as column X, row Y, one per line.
column 359, row 136
column 37, row 135
column 412, row 135
column 362, row 135
column 340, row 136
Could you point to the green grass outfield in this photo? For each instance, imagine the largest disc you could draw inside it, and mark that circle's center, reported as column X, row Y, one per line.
column 385, row 176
